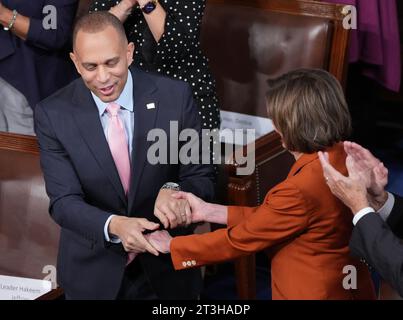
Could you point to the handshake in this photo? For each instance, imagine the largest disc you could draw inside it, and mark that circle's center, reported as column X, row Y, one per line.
column 172, row 208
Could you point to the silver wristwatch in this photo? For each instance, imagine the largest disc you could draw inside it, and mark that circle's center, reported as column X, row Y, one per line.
column 171, row 186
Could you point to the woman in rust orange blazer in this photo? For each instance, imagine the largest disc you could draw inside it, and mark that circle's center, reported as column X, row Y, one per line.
column 306, row 227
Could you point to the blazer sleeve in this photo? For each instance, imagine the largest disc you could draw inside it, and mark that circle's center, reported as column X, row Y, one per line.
column 67, row 200
column 236, row 214
column 373, row 241
column 282, row 217
column 53, row 38
column 395, row 219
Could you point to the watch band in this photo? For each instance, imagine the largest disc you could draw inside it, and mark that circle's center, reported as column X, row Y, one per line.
column 12, row 21
column 149, row 6
column 171, row 186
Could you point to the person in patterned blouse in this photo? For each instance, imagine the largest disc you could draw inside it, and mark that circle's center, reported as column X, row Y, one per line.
column 166, row 36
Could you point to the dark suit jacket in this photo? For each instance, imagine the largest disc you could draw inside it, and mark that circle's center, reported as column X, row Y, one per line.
column 380, row 244
column 84, row 186
column 40, row 65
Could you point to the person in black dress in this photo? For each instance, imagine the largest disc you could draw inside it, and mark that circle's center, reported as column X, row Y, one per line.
column 166, row 35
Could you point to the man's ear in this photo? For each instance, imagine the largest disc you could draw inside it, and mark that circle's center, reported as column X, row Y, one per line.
column 130, row 53
column 75, row 61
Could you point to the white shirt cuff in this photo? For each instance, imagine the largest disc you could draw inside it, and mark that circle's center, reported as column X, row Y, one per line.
column 386, row 209
column 106, row 233
column 362, row 213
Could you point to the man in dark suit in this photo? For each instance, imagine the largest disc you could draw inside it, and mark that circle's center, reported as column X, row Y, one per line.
column 102, row 211
column 378, row 215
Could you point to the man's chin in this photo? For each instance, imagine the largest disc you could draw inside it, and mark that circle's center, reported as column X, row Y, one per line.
column 108, row 98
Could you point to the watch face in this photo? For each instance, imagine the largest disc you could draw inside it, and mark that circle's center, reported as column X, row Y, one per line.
column 149, row 7
column 171, row 186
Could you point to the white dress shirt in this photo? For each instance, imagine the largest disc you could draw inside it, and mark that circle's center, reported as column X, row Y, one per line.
column 384, row 212
column 126, row 114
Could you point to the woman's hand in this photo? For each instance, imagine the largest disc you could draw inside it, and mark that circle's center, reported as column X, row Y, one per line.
column 123, row 9
column 202, row 211
column 4, row 15
column 160, row 240
column 21, row 24
column 198, row 207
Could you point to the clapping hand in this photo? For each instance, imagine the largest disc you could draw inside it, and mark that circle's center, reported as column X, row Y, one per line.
column 371, row 170
column 350, row 190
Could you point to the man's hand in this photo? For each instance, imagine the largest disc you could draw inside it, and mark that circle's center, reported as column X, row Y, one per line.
column 381, row 175
column 372, row 169
column 350, row 190
column 161, row 240
column 198, row 207
column 170, row 211
column 130, row 232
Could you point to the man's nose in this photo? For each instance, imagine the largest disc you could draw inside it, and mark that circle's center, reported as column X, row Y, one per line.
column 102, row 74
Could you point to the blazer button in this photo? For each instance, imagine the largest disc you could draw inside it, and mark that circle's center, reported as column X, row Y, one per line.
column 189, row 263
column 193, row 262
column 184, row 263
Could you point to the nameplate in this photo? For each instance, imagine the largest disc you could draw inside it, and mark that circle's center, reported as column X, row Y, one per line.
column 237, row 121
column 16, row 288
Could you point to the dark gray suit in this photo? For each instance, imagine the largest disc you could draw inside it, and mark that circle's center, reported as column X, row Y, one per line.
column 380, row 244
column 16, row 116
column 84, row 186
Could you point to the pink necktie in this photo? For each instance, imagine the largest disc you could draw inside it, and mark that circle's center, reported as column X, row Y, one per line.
column 118, row 145
column 120, row 152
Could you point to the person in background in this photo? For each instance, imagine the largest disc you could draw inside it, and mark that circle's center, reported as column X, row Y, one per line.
column 166, row 35
column 304, row 226
column 378, row 214
column 15, row 114
column 34, row 40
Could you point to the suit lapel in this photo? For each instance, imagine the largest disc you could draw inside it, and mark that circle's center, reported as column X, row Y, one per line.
column 90, row 127
column 144, row 90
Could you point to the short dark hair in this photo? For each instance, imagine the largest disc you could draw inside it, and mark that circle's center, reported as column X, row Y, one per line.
column 308, row 108
column 97, row 21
